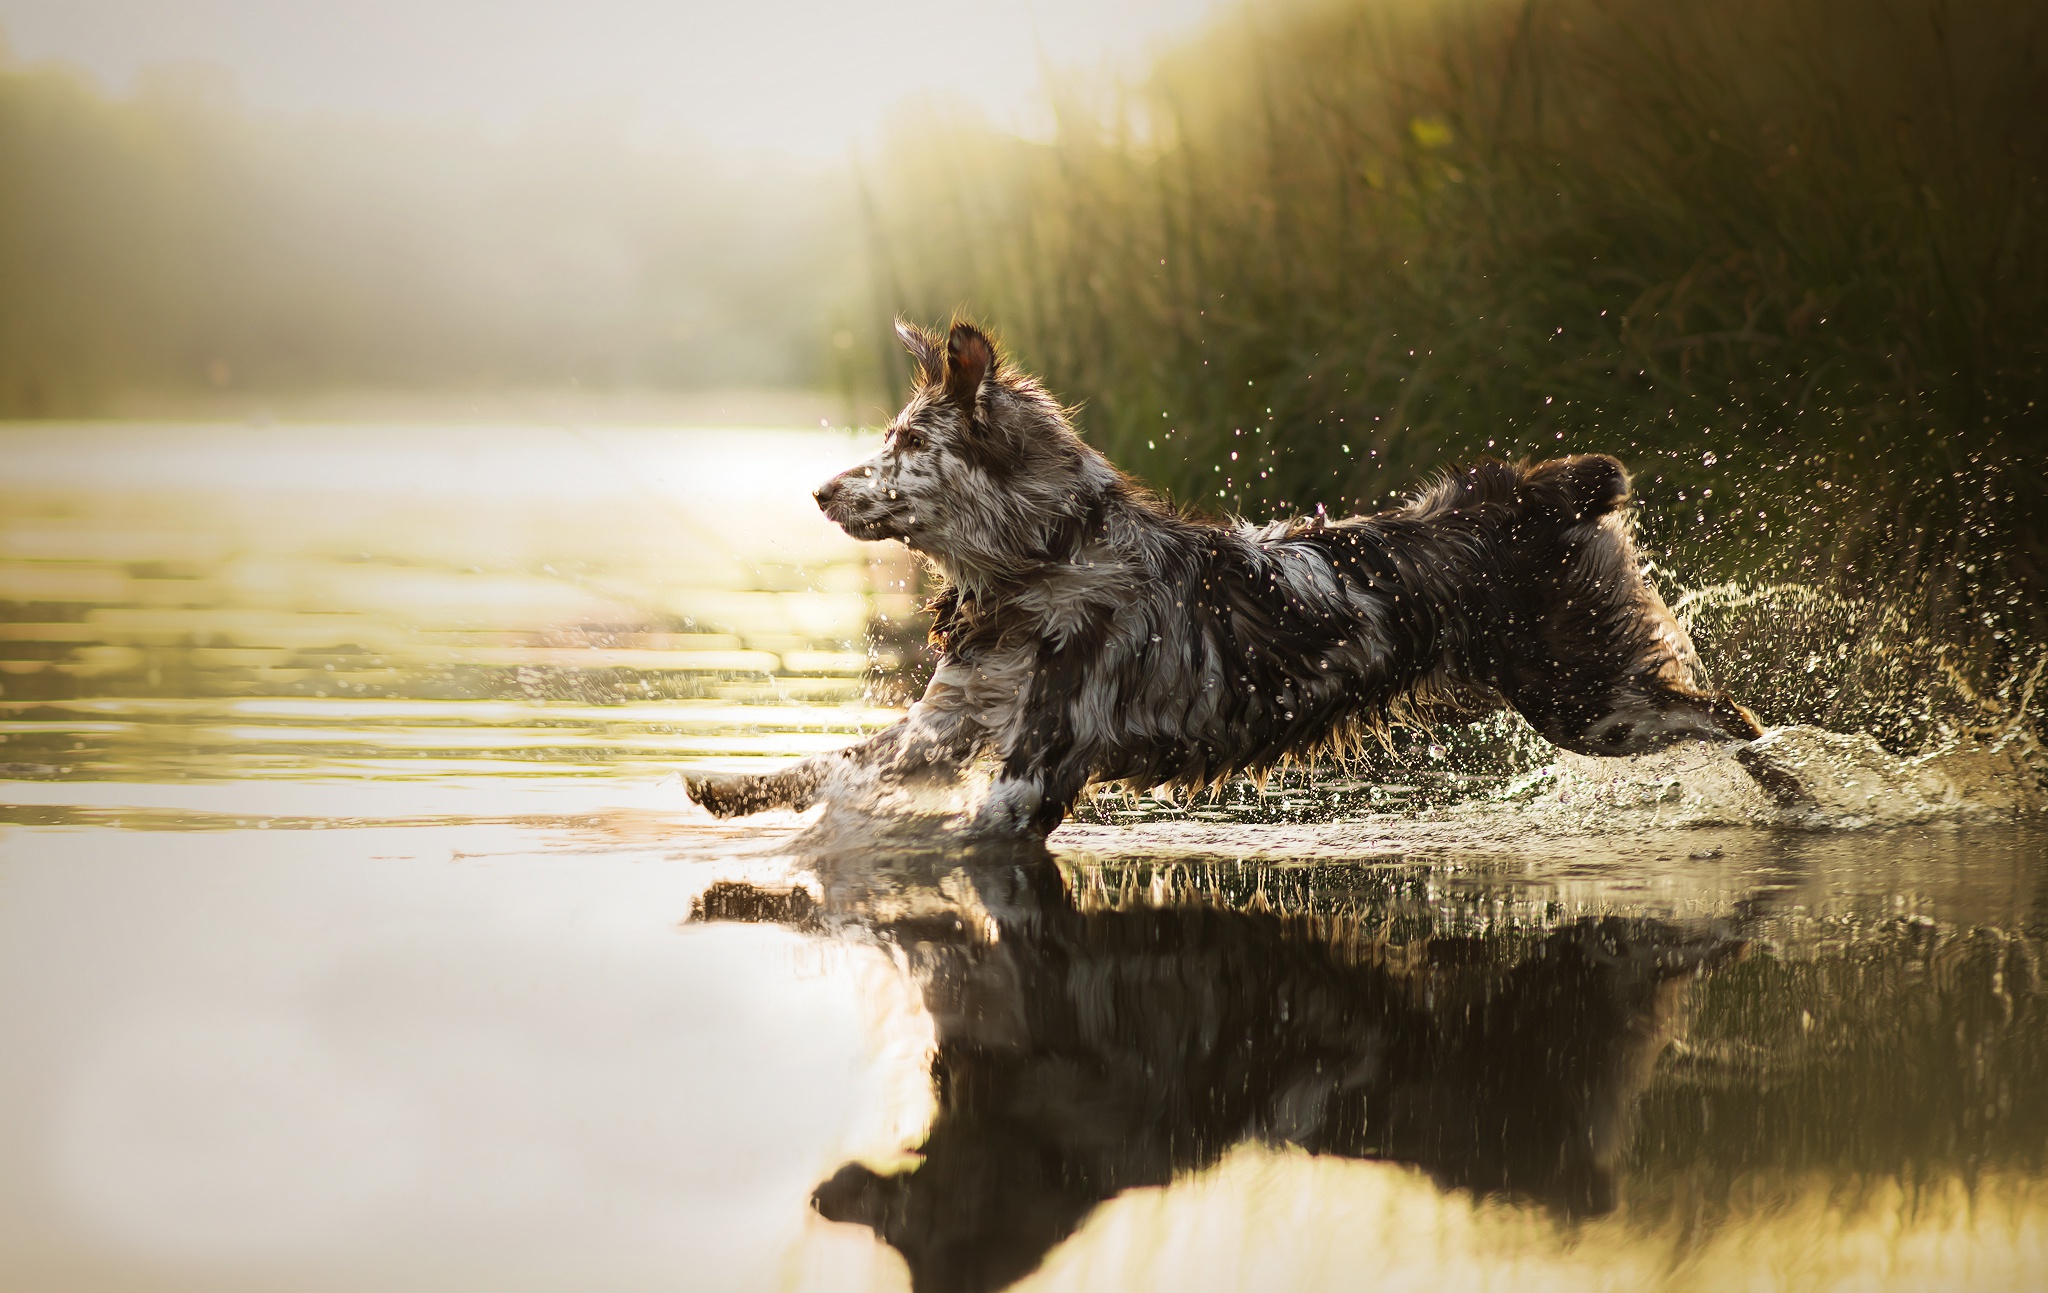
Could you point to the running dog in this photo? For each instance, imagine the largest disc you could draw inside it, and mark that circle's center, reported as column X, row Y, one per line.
column 1086, row 631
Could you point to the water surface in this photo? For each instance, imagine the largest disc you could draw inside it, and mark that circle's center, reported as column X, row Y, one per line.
column 354, row 932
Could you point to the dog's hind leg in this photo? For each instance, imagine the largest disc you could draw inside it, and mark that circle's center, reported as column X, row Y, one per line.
column 1596, row 661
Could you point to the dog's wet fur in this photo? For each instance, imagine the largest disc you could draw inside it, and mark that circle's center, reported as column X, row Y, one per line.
column 1086, row 631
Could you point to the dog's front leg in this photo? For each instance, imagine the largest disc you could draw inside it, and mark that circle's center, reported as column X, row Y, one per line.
column 796, row 786
column 1012, row 809
column 931, row 738
column 1036, row 788
column 936, row 732
column 1036, row 727
column 1030, row 803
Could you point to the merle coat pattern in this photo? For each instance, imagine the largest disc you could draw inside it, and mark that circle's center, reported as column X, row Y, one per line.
column 1088, row 632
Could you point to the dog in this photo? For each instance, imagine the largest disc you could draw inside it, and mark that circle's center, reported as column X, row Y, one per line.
column 1086, row 631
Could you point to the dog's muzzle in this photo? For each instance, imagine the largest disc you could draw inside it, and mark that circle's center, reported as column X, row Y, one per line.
column 844, row 508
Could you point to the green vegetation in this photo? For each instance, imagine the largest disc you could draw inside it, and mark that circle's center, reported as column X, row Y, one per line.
column 171, row 243
column 1784, row 256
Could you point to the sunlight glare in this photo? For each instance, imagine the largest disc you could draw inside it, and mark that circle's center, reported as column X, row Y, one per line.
column 795, row 77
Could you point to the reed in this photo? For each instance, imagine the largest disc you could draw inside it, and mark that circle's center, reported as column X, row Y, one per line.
column 1781, row 254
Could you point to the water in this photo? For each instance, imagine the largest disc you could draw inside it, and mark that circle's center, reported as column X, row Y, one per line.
column 354, row 933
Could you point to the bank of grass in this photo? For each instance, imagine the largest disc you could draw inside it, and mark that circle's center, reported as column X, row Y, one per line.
column 1784, row 256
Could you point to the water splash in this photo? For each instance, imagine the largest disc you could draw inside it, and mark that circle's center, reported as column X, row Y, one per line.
column 1803, row 777
column 1798, row 653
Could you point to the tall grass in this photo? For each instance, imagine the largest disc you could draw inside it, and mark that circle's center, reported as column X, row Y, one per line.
column 1784, row 256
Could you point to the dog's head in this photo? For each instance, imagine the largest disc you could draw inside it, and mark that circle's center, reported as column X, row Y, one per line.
column 981, row 471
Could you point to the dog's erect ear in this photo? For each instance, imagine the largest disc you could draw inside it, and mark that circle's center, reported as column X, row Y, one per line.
column 926, row 349
column 970, row 361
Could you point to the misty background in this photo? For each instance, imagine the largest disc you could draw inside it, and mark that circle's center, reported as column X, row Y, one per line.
column 222, row 206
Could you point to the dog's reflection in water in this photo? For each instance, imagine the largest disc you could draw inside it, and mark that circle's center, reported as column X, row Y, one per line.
column 1083, row 1053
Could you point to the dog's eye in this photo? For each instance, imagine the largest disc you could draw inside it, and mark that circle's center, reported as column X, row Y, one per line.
column 909, row 441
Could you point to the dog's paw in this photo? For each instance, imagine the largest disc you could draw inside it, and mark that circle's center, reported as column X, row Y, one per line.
column 737, row 796
column 725, row 796
column 1010, row 811
column 705, row 793
column 1773, row 777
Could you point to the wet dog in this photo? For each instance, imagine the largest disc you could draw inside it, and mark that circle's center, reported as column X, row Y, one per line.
column 1088, row 632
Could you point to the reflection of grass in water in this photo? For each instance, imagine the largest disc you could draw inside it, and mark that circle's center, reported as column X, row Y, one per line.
column 142, row 737
column 1247, row 1224
column 1370, row 901
column 1859, row 1088
column 306, row 623
column 1889, row 1055
column 1779, row 256
column 1886, row 1065
column 624, row 623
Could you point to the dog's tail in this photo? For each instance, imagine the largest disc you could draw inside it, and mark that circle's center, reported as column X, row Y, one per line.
column 1569, row 491
column 1583, row 487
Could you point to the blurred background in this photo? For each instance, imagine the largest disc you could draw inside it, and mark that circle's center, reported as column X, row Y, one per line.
column 235, row 206
column 1783, row 258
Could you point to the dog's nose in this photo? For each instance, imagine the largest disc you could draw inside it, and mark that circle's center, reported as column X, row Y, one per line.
column 826, row 492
